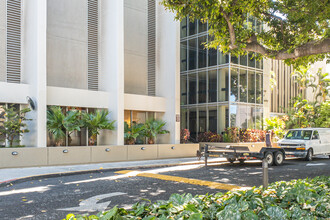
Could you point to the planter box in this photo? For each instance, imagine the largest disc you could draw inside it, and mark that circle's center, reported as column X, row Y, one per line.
column 108, row 154
column 177, row 150
column 142, row 152
column 68, row 155
column 23, row 157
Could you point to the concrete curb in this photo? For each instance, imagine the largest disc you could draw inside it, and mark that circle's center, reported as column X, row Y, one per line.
column 71, row 173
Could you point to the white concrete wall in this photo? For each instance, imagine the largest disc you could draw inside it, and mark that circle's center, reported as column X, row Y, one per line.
column 267, row 90
column 168, row 70
column 136, row 46
column 144, row 103
column 67, row 37
column 3, row 24
column 111, row 77
column 77, row 97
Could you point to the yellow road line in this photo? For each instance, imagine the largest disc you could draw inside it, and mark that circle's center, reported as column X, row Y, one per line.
column 210, row 184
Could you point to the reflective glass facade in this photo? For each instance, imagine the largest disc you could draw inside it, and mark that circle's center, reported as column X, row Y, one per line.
column 217, row 90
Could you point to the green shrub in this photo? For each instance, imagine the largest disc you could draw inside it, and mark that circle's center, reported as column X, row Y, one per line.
column 297, row 199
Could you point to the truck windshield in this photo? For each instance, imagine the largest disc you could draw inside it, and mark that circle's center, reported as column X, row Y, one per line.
column 299, row 135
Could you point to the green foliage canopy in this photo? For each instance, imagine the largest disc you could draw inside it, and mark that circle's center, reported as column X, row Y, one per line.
column 296, row 31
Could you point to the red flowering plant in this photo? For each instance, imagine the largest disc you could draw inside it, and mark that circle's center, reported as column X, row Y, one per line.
column 209, row 136
column 184, row 135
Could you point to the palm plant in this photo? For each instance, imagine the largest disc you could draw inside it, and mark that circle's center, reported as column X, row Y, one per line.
column 95, row 122
column 303, row 77
column 323, row 85
column 152, row 128
column 132, row 132
column 59, row 124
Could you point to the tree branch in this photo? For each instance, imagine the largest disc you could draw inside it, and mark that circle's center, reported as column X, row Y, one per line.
column 231, row 29
column 311, row 48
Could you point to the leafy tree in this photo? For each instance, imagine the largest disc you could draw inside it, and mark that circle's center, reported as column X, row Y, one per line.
column 132, row 132
column 277, row 125
column 152, row 128
column 296, row 31
column 59, row 123
column 14, row 124
column 95, row 122
column 323, row 119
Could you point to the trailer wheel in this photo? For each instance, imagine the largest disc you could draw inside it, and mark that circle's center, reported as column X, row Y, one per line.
column 309, row 155
column 231, row 160
column 241, row 161
column 279, row 158
column 269, row 158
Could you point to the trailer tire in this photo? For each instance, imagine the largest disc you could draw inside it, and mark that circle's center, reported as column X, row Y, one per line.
column 278, row 158
column 241, row 161
column 269, row 156
column 231, row 160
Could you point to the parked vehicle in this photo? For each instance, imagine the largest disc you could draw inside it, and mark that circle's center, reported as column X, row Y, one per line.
column 306, row 142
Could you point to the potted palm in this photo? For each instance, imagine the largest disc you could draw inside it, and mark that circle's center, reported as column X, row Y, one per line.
column 152, row 128
column 132, row 132
column 59, row 124
column 95, row 122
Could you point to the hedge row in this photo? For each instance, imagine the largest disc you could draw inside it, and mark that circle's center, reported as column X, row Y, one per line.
column 297, row 199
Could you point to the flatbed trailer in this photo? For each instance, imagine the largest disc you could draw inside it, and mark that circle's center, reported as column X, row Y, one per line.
column 273, row 155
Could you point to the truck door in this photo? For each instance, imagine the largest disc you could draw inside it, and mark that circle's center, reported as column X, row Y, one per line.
column 316, row 143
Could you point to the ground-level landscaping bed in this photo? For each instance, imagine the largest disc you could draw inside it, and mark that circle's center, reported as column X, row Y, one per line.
column 297, row 199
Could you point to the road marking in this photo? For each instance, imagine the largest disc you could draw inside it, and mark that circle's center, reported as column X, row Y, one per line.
column 91, row 205
column 210, row 184
column 315, row 164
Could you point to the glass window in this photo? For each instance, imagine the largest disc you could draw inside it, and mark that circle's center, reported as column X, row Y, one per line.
column 243, row 60
column 259, row 121
column 223, row 118
column 202, row 84
column 223, row 58
column 251, row 87
column 193, row 123
column 202, row 26
column 258, row 64
column 202, row 120
column 192, row 54
column 234, row 85
column 252, row 60
column 299, row 135
column 192, row 82
column 213, row 119
column 183, row 83
column 234, row 59
column 316, row 135
column 213, row 86
column 223, row 84
column 212, row 55
column 202, row 52
column 184, row 115
column 192, row 27
column 251, row 117
column 234, row 116
column 243, row 85
column 183, row 56
column 259, row 88
column 183, row 26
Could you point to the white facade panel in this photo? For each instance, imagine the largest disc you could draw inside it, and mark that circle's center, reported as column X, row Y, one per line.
column 67, row 34
column 3, row 21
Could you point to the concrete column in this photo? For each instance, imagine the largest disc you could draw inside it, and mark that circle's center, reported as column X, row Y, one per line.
column 35, row 68
column 112, row 65
column 168, row 69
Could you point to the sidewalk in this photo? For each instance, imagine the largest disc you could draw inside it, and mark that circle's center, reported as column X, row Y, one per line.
column 15, row 175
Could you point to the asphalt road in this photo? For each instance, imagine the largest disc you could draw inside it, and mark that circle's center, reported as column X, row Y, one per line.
column 90, row 193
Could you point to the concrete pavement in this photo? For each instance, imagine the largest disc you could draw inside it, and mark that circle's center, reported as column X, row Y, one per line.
column 14, row 175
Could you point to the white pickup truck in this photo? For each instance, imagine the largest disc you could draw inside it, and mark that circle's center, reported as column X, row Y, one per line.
column 306, row 142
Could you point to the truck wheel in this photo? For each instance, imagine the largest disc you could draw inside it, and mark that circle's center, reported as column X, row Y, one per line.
column 279, row 158
column 309, row 155
column 231, row 160
column 269, row 158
